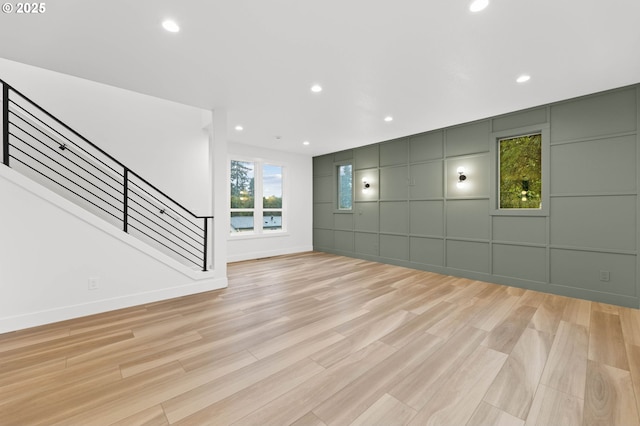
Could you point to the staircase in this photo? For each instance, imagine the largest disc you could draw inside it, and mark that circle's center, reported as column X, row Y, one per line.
column 43, row 148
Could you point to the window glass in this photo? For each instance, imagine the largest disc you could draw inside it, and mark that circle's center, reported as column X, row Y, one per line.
column 242, row 185
column 241, row 221
column 520, row 172
column 272, row 220
column 272, row 197
column 345, row 187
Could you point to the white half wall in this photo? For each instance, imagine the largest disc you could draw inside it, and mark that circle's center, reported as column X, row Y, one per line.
column 298, row 183
column 51, row 248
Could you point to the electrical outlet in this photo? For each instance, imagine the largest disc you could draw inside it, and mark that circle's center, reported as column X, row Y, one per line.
column 604, row 276
column 94, row 283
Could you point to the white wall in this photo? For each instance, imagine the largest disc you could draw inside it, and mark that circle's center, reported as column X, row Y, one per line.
column 298, row 190
column 50, row 248
column 164, row 142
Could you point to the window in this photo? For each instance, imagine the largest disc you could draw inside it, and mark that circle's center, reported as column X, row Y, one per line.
column 242, row 196
column 256, row 197
column 520, row 184
column 519, row 172
column 272, row 198
column 345, row 186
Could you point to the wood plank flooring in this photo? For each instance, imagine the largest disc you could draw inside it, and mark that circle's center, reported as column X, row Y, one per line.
column 318, row 339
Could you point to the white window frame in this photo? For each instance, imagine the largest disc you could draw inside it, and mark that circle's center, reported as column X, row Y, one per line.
column 258, row 207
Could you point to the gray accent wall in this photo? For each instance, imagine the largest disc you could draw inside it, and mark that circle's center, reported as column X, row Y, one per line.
column 414, row 215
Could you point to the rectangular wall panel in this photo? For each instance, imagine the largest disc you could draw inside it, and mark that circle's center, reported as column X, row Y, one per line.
column 323, row 215
column 343, row 241
column 323, row 165
column 394, row 217
column 477, row 172
column 426, row 146
column 529, row 117
column 343, row 155
column 426, row 180
column 582, row 269
column 594, row 222
column 527, row 263
column 394, row 152
column 366, row 157
column 343, row 221
column 323, row 238
column 604, row 114
column 427, row 251
column 371, row 177
column 520, row 229
column 366, row 216
column 366, row 243
column 394, row 247
column 468, row 219
column 467, row 139
column 595, row 166
column 394, row 183
column 323, row 189
column 467, row 255
column 426, row 218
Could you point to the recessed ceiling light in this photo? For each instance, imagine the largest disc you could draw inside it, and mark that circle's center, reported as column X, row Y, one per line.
column 316, row 88
column 478, row 5
column 305, row 143
column 239, row 128
column 170, row 26
column 523, row 78
column 388, row 118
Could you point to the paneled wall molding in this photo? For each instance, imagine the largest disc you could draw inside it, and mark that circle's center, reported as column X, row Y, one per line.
column 583, row 245
column 594, row 250
column 596, row 138
column 594, row 194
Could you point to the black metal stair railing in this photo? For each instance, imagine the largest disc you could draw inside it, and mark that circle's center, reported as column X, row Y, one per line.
column 47, row 150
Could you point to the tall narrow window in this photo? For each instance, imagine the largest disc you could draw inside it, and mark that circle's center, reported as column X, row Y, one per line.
column 345, row 187
column 242, row 196
column 272, row 198
column 520, row 172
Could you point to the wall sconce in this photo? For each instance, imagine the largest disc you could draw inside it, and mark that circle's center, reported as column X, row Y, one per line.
column 365, row 185
column 462, row 177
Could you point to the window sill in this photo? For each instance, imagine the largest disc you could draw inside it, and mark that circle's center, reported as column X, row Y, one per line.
column 520, row 212
column 252, row 236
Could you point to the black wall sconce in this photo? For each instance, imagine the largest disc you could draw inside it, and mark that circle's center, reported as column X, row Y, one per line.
column 462, row 176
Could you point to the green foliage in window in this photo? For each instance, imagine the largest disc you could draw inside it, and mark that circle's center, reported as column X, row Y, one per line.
column 242, row 185
column 521, row 172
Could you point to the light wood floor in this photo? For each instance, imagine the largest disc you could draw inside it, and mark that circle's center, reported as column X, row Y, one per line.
column 315, row 339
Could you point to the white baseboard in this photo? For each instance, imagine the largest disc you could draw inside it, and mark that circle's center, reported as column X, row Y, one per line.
column 34, row 319
column 268, row 253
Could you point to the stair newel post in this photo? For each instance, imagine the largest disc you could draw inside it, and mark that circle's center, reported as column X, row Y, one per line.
column 125, row 209
column 206, row 243
column 5, row 123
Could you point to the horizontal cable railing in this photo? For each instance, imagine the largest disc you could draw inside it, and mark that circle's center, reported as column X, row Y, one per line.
column 45, row 149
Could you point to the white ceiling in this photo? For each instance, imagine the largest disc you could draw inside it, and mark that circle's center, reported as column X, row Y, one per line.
column 428, row 63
